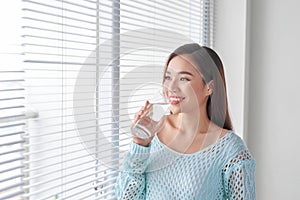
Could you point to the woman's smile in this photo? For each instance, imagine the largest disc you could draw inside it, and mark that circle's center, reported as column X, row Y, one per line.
column 174, row 100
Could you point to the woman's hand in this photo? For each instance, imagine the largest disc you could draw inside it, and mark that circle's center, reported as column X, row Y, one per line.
column 143, row 112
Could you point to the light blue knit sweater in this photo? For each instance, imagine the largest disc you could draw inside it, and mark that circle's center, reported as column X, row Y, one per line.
column 223, row 170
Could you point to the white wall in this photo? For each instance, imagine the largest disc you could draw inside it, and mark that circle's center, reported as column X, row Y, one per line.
column 263, row 36
column 274, row 98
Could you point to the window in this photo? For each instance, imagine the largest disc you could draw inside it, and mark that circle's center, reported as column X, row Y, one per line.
column 89, row 65
column 12, row 103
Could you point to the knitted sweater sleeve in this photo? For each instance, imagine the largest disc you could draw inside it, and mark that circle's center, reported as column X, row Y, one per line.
column 239, row 178
column 130, row 184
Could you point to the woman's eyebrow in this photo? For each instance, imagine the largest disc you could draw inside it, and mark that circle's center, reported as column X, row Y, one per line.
column 185, row 72
column 181, row 72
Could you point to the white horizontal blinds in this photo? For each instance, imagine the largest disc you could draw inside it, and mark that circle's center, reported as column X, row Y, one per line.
column 90, row 65
column 12, row 102
column 59, row 39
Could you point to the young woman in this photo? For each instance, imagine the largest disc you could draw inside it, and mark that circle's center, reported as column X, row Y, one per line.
column 196, row 155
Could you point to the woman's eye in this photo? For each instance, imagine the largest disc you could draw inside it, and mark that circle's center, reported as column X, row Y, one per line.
column 167, row 78
column 184, row 79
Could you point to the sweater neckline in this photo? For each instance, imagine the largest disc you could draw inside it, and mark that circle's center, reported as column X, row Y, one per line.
column 228, row 134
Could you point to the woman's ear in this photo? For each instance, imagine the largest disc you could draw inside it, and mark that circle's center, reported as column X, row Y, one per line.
column 210, row 87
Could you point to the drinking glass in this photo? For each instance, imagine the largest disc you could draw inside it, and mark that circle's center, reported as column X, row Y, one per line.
column 152, row 120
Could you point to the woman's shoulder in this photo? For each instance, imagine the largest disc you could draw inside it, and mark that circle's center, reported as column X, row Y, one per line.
column 236, row 142
column 236, row 149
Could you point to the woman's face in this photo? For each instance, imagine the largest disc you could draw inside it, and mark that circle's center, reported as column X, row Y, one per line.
column 184, row 86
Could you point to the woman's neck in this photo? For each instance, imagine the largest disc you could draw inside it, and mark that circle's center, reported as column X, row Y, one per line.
column 193, row 132
column 195, row 123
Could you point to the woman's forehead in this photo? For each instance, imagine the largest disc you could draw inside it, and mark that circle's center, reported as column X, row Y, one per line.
column 182, row 63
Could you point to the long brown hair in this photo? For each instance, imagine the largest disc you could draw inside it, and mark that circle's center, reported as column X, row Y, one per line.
column 210, row 66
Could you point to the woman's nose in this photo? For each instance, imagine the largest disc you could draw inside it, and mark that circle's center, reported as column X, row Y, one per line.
column 172, row 86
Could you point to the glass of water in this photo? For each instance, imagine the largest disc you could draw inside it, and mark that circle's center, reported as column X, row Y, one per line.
column 152, row 121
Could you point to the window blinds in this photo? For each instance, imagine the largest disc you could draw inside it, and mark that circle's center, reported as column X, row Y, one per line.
column 90, row 65
column 12, row 103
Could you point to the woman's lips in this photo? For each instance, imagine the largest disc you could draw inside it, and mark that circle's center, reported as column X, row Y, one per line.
column 175, row 100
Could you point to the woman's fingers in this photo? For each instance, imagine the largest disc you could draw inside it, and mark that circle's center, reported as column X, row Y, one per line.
column 143, row 111
column 138, row 115
column 147, row 109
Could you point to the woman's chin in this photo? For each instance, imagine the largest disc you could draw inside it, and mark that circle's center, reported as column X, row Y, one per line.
column 175, row 109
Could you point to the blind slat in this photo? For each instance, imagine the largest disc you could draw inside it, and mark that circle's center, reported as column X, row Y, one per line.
column 59, row 16
column 59, row 8
column 5, row 170
column 12, row 194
